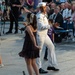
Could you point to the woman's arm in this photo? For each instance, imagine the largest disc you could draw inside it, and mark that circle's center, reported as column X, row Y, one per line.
column 27, row 2
column 26, row 10
column 32, row 37
column 32, row 3
column 30, row 33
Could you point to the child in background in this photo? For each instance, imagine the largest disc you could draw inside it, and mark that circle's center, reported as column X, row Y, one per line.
column 51, row 35
column 51, row 30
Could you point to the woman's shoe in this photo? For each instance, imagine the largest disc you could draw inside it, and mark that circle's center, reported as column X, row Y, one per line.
column 1, row 65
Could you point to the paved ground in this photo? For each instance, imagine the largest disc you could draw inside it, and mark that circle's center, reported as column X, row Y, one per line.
column 11, row 45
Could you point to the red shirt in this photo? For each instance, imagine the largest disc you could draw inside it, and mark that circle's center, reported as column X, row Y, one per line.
column 30, row 1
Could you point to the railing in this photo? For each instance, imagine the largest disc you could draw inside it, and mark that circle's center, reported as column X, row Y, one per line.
column 4, row 22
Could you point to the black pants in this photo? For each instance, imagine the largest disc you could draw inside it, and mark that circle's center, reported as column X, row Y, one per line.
column 13, row 18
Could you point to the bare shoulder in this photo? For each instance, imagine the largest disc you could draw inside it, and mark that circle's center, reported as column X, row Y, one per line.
column 33, row 30
column 29, row 27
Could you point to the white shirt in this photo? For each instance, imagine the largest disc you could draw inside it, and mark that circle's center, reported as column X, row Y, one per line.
column 70, row 13
column 65, row 13
column 42, row 22
column 52, row 16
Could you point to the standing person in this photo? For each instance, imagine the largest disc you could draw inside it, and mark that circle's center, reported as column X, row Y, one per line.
column 43, row 38
column 30, row 49
column 3, row 7
column 39, row 1
column 35, row 4
column 30, row 4
column 51, row 35
column 14, row 14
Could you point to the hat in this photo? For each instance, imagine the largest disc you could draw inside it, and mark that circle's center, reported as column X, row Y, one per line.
column 41, row 4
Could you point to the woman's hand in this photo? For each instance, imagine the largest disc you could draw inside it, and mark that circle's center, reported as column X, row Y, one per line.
column 25, row 23
column 37, row 47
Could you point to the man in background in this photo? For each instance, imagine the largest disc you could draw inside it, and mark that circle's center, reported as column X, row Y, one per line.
column 14, row 14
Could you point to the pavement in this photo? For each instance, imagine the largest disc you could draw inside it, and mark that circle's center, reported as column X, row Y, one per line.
column 11, row 45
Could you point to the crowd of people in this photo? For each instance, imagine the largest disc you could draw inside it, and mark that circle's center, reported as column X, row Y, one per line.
column 42, row 19
column 57, row 15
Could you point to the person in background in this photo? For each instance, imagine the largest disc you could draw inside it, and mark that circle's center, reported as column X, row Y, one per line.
column 14, row 14
column 51, row 35
column 62, row 8
column 1, row 65
column 65, row 12
column 30, row 49
column 3, row 6
column 58, row 18
column 51, row 13
column 40, row 1
column 4, row 11
column 29, row 4
column 35, row 4
column 73, row 18
column 0, row 10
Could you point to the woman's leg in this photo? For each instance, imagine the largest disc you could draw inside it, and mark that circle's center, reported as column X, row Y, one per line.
column 35, row 67
column 29, row 66
column 1, row 65
column 0, row 60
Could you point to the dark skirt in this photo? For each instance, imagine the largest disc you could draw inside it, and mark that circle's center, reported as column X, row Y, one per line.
column 29, row 50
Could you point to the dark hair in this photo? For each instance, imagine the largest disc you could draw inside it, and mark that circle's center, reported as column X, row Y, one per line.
column 51, row 11
column 51, row 20
column 34, row 21
column 34, row 24
column 28, row 17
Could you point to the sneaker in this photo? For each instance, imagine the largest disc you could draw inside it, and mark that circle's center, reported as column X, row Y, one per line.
column 1, row 65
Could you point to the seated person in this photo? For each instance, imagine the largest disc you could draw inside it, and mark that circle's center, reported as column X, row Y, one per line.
column 58, row 18
column 29, row 4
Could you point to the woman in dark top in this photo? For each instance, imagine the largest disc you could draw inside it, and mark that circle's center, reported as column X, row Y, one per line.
column 30, row 49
